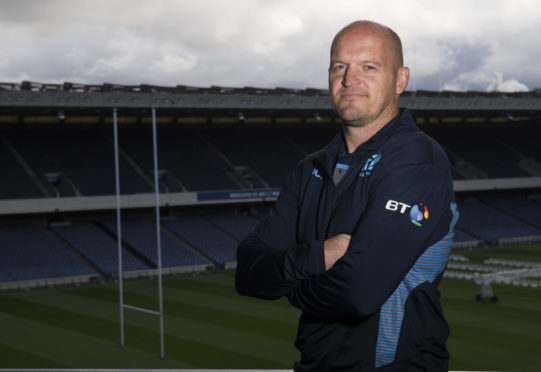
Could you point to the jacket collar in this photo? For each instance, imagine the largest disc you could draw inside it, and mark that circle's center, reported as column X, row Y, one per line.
column 326, row 157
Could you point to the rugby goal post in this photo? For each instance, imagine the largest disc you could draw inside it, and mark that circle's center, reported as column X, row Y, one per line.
column 122, row 305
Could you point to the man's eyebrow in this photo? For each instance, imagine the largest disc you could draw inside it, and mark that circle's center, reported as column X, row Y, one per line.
column 372, row 62
column 367, row 61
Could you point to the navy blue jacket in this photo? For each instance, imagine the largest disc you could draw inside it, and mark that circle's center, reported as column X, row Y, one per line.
column 378, row 307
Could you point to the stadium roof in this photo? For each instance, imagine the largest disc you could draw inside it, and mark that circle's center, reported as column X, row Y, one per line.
column 73, row 95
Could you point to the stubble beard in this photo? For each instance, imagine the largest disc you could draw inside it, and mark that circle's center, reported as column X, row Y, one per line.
column 360, row 115
column 354, row 112
column 354, row 116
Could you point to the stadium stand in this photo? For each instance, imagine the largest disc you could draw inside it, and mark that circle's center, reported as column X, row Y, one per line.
column 140, row 235
column 17, row 183
column 317, row 138
column 461, row 236
column 237, row 226
column 84, row 158
column 98, row 247
column 265, row 151
column 489, row 224
column 496, row 160
column 29, row 252
column 211, row 241
column 529, row 149
column 191, row 160
column 521, row 208
column 220, row 172
column 489, row 148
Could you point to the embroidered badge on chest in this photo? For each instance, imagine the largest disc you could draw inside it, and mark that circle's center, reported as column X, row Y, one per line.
column 369, row 165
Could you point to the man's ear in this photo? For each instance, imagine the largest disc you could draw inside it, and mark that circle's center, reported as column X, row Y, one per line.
column 402, row 78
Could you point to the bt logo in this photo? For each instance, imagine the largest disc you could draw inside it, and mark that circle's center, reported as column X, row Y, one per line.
column 418, row 212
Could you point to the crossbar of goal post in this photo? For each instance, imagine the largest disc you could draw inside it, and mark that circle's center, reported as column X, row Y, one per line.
column 123, row 306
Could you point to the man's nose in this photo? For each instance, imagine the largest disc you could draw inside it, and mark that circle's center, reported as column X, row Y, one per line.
column 351, row 77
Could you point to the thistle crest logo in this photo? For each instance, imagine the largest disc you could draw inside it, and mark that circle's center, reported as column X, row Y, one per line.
column 418, row 213
column 369, row 165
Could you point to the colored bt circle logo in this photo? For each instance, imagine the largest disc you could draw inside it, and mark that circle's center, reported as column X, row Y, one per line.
column 418, row 213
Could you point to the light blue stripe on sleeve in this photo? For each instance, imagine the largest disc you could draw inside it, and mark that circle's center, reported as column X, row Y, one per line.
column 427, row 268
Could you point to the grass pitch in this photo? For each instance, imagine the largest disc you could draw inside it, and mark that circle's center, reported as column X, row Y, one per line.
column 208, row 325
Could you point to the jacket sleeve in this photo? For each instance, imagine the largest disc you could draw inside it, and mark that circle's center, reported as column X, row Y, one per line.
column 384, row 246
column 270, row 260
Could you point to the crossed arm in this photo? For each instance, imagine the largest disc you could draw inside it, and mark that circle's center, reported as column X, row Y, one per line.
column 344, row 275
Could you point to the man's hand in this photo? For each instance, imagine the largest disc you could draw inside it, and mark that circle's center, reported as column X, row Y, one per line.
column 335, row 248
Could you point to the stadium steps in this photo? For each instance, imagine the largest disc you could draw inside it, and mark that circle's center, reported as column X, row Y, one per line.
column 463, row 167
column 235, row 235
column 87, row 261
column 219, row 227
column 147, row 176
column 467, row 231
column 27, row 168
column 514, row 216
column 126, row 245
column 190, row 246
column 296, row 145
column 528, row 165
column 231, row 170
column 130, row 161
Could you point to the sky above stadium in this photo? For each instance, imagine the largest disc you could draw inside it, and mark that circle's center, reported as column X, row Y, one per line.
column 486, row 45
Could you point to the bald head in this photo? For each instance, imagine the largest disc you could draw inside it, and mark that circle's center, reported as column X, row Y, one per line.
column 366, row 75
column 392, row 37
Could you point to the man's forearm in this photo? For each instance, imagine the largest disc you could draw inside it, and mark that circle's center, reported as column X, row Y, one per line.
column 335, row 248
column 269, row 273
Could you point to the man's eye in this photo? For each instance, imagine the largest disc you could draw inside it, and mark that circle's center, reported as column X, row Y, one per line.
column 338, row 67
column 369, row 67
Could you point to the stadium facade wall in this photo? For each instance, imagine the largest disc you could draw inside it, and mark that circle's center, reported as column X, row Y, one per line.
column 134, row 201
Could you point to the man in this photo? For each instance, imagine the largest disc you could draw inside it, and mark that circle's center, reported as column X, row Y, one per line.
column 361, row 233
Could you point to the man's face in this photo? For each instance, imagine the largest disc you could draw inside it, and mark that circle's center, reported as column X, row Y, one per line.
column 363, row 77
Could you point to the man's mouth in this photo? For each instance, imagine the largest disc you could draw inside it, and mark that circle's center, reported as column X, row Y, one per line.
column 352, row 94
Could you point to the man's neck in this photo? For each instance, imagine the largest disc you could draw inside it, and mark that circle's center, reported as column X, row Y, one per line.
column 355, row 136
